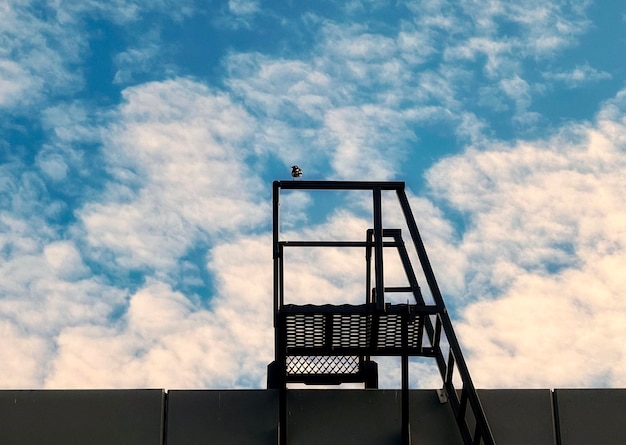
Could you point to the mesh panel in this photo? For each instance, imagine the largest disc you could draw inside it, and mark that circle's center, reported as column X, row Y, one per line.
column 390, row 332
column 413, row 335
column 351, row 330
column 318, row 364
column 305, row 330
column 350, row 333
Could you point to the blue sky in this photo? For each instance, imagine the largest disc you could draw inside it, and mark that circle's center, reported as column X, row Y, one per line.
column 139, row 140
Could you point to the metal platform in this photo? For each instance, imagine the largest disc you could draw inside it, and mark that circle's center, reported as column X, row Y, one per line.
column 330, row 344
column 334, row 344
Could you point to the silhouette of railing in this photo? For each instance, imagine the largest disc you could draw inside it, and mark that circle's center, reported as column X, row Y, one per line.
column 333, row 344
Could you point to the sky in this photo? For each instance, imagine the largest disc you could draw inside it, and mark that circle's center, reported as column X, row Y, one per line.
column 139, row 140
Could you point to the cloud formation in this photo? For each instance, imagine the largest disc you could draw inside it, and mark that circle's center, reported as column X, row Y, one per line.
column 545, row 242
column 134, row 219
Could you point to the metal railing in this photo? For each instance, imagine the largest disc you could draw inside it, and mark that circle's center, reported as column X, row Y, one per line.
column 332, row 344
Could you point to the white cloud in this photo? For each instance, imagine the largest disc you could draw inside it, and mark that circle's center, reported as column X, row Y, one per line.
column 135, row 61
column 545, row 217
column 45, row 291
column 243, row 7
column 415, row 46
column 121, row 12
column 496, row 51
column 181, row 148
column 46, row 287
column 552, row 331
column 65, row 260
column 15, row 83
column 518, row 90
column 544, row 248
column 21, row 356
column 287, row 90
column 36, row 56
column 356, row 81
column 580, row 75
column 57, row 331
column 359, row 133
column 356, row 94
column 357, row 44
column 176, row 153
column 166, row 340
column 44, row 44
column 499, row 37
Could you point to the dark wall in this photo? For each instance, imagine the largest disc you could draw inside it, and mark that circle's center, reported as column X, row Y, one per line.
column 249, row 417
column 94, row 417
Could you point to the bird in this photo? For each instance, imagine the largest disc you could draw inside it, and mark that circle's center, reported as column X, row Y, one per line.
column 296, row 172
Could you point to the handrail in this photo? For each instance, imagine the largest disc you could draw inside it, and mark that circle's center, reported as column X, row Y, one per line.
column 377, row 239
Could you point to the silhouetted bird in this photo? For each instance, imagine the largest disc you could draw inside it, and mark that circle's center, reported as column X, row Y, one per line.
column 296, row 172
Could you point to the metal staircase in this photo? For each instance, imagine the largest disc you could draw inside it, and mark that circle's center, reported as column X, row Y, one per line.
column 334, row 344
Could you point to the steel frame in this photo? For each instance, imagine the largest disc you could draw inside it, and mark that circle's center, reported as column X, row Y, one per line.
column 320, row 336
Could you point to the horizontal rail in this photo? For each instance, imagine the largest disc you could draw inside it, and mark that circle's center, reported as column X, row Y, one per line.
column 326, row 309
column 325, row 379
column 340, row 351
column 339, row 185
column 399, row 289
column 334, row 244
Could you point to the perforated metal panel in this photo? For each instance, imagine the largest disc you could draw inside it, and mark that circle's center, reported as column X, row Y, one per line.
column 342, row 329
column 351, row 330
column 305, row 330
column 390, row 335
column 336, row 340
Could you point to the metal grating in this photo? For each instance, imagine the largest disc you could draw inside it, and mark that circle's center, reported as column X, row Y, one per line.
column 305, row 330
column 351, row 330
column 322, row 364
column 358, row 332
column 414, row 334
column 390, row 332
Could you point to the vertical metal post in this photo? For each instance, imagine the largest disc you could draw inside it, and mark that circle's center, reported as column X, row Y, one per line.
column 378, row 249
column 281, row 281
column 368, row 266
column 406, row 425
column 276, row 252
column 279, row 346
column 282, row 415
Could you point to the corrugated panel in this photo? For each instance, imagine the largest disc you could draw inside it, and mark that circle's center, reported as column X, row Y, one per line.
column 79, row 417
